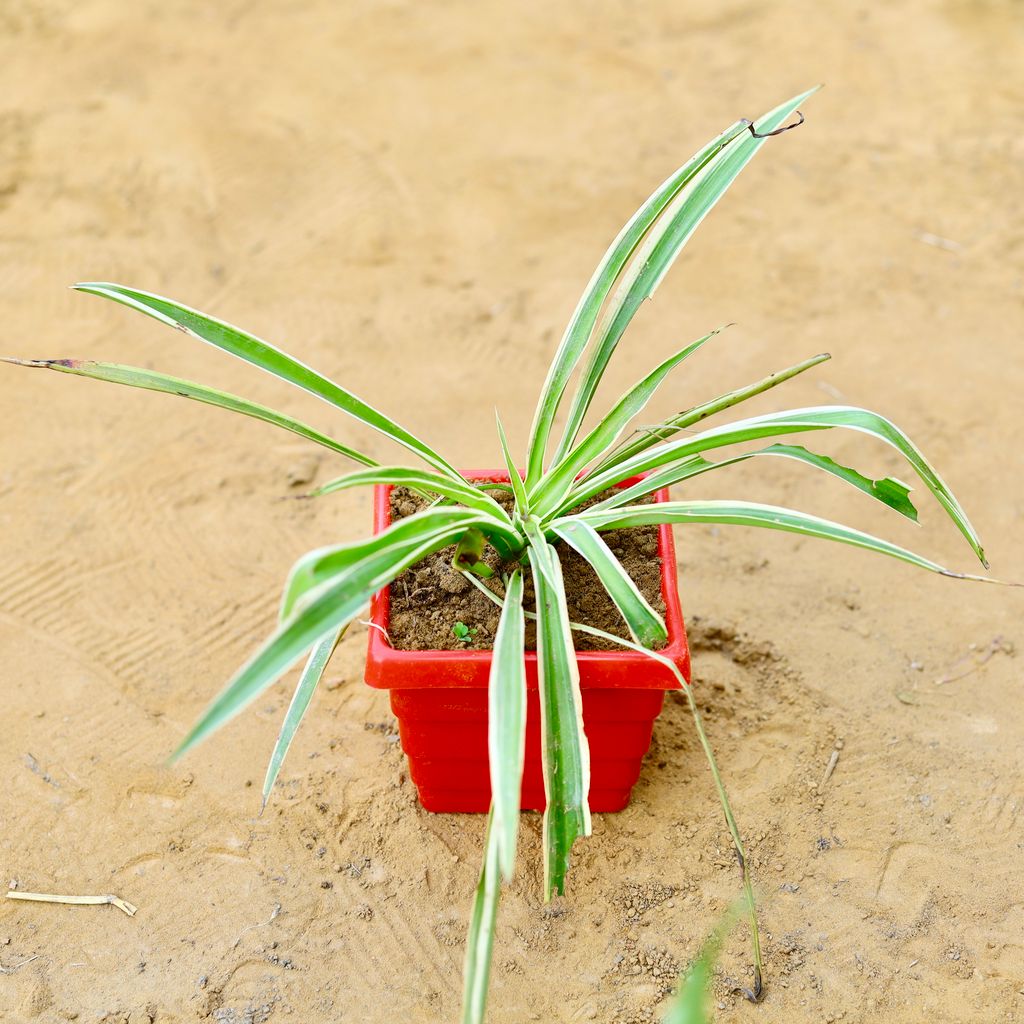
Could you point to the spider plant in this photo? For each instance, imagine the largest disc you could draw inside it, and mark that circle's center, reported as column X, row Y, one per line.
column 689, row 1006
column 565, row 467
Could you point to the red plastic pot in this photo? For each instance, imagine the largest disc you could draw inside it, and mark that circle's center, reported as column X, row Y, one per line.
column 440, row 701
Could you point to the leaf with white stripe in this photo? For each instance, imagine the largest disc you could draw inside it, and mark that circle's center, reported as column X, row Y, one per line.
column 751, row 513
column 378, row 552
column 888, row 490
column 506, row 722
column 647, row 437
column 267, row 357
column 557, row 482
column 332, row 605
column 420, row 480
column 659, row 249
column 308, row 682
column 151, row 380
column 584, row 318
column 645, row 625
column 565, row 751
column 515, row 480
column 775, row 424
column 480, row 939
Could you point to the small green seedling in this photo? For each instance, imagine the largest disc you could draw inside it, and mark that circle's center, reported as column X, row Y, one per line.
column 464, row 633
column 690, row 1003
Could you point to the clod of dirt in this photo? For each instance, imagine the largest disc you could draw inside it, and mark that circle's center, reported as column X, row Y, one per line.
column 303, row 470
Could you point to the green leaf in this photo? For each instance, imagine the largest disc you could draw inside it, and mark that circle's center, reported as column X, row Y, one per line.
column 772, row 425
column 566, row 754
column 650, row 436
column 506, row 736
column 581, row 325
column 658, row 250
column 506, row 723
column 749, row 513
column 469, row 553
column 480, row 939
column 557, row 482
column 434, row 527
column 150, row 380
column 889, row 491
column 515, row 480
column 462, row 632
column 645, row 625
column 748, row 890
column 332, row 605
column 753, row 994
column 690, row 1005
column 308, row 681
column 250, row 348
column 421, row 480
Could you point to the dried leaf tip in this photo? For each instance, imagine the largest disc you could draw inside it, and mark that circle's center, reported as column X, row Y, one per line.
column 45, row 364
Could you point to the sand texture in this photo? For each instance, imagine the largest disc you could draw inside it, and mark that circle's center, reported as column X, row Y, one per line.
column 411, row 198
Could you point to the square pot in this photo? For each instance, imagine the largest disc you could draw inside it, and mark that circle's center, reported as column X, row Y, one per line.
column 440, row 701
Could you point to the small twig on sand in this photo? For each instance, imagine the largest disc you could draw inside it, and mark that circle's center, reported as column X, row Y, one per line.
column 14, row 967
column 48, row 897
column 976, row 659
column 35, row 766
column 938, row 241
column 258, row 924
column 832, row 762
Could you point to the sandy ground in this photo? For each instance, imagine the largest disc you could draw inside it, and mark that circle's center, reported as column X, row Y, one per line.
column 411, row 197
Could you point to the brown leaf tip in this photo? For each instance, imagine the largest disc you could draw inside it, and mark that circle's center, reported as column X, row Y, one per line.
column 45, row 364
